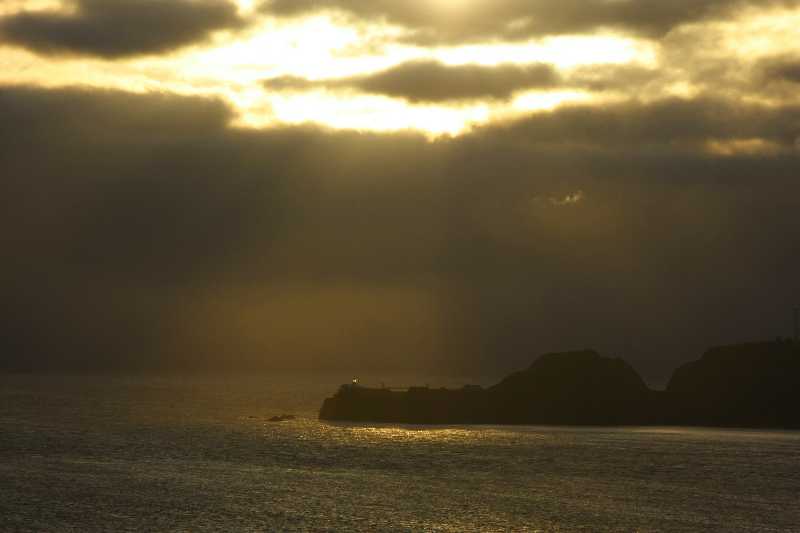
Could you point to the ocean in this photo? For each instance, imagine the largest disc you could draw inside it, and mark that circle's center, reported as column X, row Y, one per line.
column 147, row 453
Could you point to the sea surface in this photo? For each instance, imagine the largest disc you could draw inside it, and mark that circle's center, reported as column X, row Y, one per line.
column 199, row 454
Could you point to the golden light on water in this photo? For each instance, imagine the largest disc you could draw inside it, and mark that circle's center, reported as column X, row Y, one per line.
column 439, row 435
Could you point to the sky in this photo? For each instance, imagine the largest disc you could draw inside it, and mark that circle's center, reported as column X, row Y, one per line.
column 450, row 186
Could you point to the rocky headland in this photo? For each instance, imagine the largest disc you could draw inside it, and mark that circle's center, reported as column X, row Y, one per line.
column 746, row 385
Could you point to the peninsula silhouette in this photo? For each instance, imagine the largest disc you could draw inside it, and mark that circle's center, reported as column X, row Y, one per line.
column 747, row 385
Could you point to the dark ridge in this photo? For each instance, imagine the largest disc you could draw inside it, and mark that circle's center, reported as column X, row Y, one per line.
column 750, row 385
column 572, row 388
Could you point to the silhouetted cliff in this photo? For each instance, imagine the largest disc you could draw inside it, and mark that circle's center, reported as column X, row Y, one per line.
column 565, row 388
column 418, row 405
column 747, row 385
column 573, row 388
column 750, row 385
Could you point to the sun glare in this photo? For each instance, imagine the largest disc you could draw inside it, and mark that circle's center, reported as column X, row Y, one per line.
column 233, row 66
column 372, row 113
column 323, row 48
column 8, row 7
column 563, row 52
column 547, row 100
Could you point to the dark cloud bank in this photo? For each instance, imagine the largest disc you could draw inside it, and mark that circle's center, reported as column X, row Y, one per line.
column 141, row 232
column 783, row 69
column 524, row 19
column 119, row 28
column 431, row 81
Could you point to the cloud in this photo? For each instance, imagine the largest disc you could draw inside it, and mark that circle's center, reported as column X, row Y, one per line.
column 297, row 83
column 783, row 69
column 119, row 28
column 432, row 22
column 431, row 81
column 670, row 125
column 434, row 82
column 570, row 199
column 625, row 78
column 143, row 231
